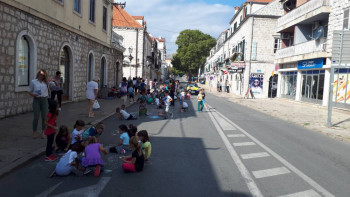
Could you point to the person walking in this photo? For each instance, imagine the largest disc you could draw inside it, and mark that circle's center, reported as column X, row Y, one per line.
column 226, row 86
column 123, row 90
column 220, row 84
column 91, row 94
column 56, row 85
column 200, row 100
column 38, row 89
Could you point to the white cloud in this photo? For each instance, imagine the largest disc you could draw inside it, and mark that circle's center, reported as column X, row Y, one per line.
column 167, row 18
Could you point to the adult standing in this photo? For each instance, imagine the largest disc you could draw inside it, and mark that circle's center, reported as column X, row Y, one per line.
column 123, row 90
column 91, row 94
column 56, row 85
column 172, row 92
column 38, row 89
column 226, row 86
column 150, row 84
column 143, row 87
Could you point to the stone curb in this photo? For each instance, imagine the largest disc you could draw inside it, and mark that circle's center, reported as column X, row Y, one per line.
column 41, row 151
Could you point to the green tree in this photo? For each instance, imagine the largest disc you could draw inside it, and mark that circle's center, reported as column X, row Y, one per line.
column 193, row 48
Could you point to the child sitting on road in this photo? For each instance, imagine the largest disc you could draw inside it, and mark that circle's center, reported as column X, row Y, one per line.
column 92, row 155
column 63, row 139
column 123, row 143
column 135, row 162
column 146, row 144
column 132, row 130
column 77, row 134
column 142, row 98
column 69, row 162
column 142, row 109
column 96, row 131
column 123, row 114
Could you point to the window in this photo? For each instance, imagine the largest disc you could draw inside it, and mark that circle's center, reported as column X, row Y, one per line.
column 77, row 6
column 346, row 19
column 92, row 11
column 235, row 26
column 104, row 22
column 277, row 45
column 23, row 62
column 60, row 2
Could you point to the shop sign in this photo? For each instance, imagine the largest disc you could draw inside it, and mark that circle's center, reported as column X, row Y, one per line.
column 240, row 70
column 310, row 64
column 235, row 64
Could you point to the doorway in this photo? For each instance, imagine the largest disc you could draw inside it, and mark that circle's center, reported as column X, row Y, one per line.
column 117, row 74
column 103, row 73
column 312, row 86
column 64, row 68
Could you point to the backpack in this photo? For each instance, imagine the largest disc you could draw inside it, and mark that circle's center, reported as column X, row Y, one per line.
column 123, row 89
column 87, row 132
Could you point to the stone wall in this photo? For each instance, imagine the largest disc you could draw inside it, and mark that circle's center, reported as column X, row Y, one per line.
column 49, row 39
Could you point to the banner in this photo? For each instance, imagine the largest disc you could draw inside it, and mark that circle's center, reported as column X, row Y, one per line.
column 341, row 88
column 256, row 82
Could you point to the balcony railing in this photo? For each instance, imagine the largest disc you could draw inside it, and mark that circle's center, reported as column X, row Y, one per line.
column 302, row 48
column 302, row 10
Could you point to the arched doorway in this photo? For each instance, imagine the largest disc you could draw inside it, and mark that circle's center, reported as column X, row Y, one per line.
column 64, row 68
column 103, row 73
column 91, row 67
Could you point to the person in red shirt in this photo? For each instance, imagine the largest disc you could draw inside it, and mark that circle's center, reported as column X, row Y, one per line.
column 51, row 128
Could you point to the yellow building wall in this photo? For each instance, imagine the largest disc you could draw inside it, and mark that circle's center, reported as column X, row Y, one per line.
column 65, row 14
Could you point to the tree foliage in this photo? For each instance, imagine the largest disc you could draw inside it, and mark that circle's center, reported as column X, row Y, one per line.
column 193, row 48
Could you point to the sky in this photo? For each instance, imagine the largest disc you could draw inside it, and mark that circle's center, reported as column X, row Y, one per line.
column 167, row 18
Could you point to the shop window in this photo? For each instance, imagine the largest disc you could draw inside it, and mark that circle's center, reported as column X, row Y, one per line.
column 25, row 61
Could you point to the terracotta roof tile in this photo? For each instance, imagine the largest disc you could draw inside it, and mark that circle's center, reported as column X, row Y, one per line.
column 161, row 39
column 122, row 19
column 260, row 1
column 138, row 17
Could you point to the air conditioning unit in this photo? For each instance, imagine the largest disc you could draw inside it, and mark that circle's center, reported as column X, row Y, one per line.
column 316, row 25
column 285, row 36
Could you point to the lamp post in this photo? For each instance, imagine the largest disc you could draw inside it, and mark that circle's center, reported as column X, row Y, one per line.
column 130, row 58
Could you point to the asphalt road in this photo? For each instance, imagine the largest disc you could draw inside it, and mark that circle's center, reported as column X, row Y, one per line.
column 230, row 150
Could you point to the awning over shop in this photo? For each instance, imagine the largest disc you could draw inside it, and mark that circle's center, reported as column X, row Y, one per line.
column 236, row 65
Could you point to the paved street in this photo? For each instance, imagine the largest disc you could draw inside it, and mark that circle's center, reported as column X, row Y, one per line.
column 230, row 150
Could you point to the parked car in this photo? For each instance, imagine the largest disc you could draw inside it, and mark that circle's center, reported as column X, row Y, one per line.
column 193, row 88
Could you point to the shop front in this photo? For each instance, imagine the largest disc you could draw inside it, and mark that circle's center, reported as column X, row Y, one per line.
column 341, row 88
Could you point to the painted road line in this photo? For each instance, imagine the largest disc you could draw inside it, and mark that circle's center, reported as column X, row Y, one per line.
column 226, row 126
column 244, row 144
column 255, row 155
column 270, row 172
column 235, row 135
column 308, row 193
column 253, row 188
column 307, row 179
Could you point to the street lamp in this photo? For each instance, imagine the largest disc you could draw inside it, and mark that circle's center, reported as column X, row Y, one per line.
column 130, row 58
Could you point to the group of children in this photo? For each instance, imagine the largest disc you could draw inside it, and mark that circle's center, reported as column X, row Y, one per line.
column 82, row 149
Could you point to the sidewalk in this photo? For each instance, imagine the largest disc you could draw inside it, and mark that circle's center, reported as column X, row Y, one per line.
column 311, row 116
column 17, row 145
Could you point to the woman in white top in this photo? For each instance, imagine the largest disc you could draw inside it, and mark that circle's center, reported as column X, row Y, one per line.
column 38, row 89
column 91, row 94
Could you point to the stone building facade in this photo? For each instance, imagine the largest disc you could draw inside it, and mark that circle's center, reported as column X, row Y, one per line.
column 50, row 47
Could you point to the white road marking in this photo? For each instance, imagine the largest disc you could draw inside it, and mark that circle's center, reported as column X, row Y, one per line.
column 253, row 188
column 255, row 155
column 244, row 144
column 48, row 191
column 270, row 172
column 235, row 135
column 307, row 179
column 226, row 126
column 307, row 193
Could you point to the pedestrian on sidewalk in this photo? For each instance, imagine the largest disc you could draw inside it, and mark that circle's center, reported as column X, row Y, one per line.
column 91, row 95
column 51, row 128
column 226, row 86
column 38, row 89
column 123, row 90
column 56, row 88
column 200, row 100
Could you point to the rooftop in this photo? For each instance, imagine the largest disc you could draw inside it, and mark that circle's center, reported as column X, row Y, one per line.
column 122, row 19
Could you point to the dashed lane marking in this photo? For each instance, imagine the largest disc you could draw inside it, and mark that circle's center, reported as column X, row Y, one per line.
column 244, row 144
column 307, row 179
column 226, row 126
column 253, row 188
column 255, row 155
column 307, row 193
column 270, row 172
column 235, row 135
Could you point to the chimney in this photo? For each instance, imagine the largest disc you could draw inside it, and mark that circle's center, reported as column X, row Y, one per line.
column 236, row 9
column 160, row 37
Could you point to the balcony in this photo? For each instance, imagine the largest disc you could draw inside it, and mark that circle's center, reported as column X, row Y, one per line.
column 311, row 11
column 307, row 50
column 117, row 41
